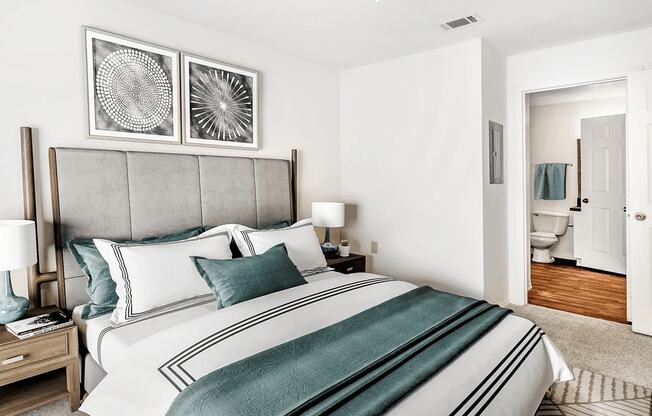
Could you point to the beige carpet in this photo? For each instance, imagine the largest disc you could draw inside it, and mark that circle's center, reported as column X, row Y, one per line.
column 600, row 346
column 58, row 408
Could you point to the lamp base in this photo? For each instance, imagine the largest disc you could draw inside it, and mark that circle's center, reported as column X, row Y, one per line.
column 329, row 249
column 12, row 307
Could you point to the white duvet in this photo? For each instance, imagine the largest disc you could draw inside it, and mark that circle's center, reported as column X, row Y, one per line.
column 506, row 372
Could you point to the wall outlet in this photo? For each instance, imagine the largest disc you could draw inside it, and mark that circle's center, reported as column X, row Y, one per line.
column 374, row 247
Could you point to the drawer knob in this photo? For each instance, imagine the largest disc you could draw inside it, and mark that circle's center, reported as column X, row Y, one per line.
column 12, row 360
column 349, row 269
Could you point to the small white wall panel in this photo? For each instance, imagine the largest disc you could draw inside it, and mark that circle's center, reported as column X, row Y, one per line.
column 600, row 132
column 622, row 178
column 649, row 156
column 600, row 170
column 600, row 226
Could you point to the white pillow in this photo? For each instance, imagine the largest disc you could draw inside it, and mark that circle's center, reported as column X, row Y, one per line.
column 154, row 278
column 300, row 240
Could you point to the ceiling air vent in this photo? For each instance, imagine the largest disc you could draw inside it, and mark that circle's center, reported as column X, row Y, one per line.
column 464, row 21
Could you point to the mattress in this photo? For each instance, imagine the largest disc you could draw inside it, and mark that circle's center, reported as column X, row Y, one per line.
column 506, row 372
column 106, row 343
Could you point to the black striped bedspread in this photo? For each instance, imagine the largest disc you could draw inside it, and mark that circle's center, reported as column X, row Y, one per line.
column 506, row 372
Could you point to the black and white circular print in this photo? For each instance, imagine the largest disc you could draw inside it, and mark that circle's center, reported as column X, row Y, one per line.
column 133, row 90
column 221, row 104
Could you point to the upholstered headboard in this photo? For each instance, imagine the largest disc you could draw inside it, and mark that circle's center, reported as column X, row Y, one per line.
column 131, row 195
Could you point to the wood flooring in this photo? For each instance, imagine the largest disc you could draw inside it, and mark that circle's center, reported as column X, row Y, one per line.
column 578, row 290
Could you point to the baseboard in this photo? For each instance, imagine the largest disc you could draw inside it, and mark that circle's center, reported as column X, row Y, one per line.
column 505, row 303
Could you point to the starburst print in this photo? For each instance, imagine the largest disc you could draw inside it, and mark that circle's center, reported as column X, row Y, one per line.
column 221, row 105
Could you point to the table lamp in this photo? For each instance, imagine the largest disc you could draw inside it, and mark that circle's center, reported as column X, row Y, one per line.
column 17, row 251
column 329, row 215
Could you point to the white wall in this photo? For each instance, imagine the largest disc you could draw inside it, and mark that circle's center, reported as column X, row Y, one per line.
column 554, row 130
column 494, row 195
column 41, row 85
column 598, row 59
column 411, row 163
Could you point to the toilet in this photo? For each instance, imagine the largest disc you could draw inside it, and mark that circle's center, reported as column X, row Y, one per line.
column 547, row 226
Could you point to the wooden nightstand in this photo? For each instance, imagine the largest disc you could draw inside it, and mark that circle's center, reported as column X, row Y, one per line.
column 355, row 263
column 38, row 370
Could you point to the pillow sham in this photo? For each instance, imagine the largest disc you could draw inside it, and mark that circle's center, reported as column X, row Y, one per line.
column 235, row 251
column 237, row 280
column 155, row 278
column 100, row 287
column 300, row 240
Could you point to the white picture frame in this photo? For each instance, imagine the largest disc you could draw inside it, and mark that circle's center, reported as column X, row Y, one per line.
column 117, row 69
column 220, row 104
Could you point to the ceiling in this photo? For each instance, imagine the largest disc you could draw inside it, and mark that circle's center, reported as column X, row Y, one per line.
column 347, row 33
column 590, row 92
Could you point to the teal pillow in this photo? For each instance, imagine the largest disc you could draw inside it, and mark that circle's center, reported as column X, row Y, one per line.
column 277, row 225
column 237, row 280
column 100, row 287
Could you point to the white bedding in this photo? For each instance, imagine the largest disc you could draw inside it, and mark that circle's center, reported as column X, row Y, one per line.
column 107, row 344
column 149, row 363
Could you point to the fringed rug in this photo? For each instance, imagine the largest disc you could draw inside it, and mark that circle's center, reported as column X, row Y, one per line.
column 594, row 394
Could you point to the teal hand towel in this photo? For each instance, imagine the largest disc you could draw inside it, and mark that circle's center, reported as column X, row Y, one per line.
column 550, row 181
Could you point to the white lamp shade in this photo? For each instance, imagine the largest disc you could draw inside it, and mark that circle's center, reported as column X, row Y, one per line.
column 328, row 214
column 17, row 244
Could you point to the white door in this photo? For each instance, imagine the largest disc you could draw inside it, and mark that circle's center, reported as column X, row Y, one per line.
column 639, row 198
column 603, row 194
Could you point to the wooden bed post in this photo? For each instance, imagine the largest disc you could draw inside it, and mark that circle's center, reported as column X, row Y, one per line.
column 293, row 183
column 34, row 276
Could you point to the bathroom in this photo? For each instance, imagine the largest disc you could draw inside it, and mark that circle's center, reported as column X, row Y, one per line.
column 577, row 199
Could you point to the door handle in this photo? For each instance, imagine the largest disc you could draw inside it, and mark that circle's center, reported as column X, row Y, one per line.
column 640, row 216
column 585, row 200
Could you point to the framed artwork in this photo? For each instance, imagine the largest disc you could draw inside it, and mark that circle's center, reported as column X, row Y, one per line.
column 132, row 89
column 220, row 104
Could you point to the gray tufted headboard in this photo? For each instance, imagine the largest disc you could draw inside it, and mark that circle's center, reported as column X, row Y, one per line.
column 131, row 195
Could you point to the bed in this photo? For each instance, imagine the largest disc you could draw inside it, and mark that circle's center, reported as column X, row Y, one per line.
column 141, row 367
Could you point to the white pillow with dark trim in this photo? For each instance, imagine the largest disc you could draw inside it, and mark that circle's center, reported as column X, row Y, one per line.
column 156, row 278
column 300, row 240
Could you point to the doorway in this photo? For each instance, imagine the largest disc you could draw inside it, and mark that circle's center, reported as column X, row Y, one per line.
column 577, row 212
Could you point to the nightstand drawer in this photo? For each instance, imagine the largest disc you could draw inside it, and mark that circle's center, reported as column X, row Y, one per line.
column 352, row 266
column 40, row 348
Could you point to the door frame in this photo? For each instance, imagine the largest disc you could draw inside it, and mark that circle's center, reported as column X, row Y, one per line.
column 523, row 200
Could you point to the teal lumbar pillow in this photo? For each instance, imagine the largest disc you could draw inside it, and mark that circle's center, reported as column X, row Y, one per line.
column 237, row 280
column 100, row 286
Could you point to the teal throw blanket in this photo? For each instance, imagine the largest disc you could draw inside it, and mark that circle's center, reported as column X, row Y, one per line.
column 360, row 366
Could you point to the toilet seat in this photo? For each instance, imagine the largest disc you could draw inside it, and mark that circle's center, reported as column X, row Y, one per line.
column 543, row 235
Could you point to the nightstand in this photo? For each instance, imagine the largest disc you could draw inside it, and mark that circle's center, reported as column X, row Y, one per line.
column 38, row 370
column 355, row 263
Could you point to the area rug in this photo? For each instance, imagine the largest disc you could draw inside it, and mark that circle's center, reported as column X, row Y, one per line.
column 595, row 394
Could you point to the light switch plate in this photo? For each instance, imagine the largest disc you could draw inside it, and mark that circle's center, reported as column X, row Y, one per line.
column 374, row 247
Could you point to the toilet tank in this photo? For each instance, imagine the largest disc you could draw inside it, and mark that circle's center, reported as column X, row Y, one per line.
column 550, row 221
